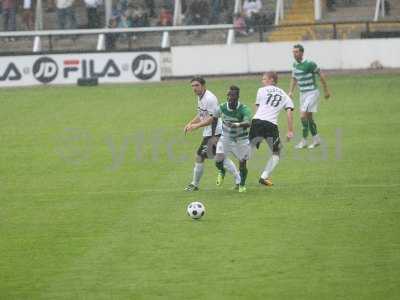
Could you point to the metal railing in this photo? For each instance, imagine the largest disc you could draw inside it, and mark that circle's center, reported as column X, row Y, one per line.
column 261, row 31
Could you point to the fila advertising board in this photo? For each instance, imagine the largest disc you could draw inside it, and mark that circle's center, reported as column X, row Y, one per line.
column 121, row 67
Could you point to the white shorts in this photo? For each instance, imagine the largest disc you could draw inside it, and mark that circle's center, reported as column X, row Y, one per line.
column 309, row 101
column 240, row 149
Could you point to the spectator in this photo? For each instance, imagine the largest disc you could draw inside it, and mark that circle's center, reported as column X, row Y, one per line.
column 168, row 4
column 92, row 13
column 330, row 5
column 228, row 5
column 9, row 9
column 66, row 12
column 138, row 16
column 166, row 17
column 150, row 8
column 215, row 11
column 121, row 7
column 184, row 6
column 240, row 24
column 198, row 13
column 111, row 38
column 251, row 9
column 27, row 15
column 387, row 7
column 348, row 2
column 50, row 6
column 124, row 20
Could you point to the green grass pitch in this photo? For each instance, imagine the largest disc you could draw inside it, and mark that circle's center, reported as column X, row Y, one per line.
column 92, row 203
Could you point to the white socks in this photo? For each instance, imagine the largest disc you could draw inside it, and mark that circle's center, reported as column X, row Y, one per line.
column 197, row 173
column 230, row 166
column 273, row 161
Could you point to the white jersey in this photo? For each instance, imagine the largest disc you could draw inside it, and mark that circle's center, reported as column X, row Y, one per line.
column 271, row 100
column 207, row 104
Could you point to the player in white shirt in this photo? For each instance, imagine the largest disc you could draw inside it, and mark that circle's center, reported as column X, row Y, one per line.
column 207, row 104
column 270, row 101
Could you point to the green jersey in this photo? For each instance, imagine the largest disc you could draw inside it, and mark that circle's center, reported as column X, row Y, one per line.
column 304, row 72
column 241, row 114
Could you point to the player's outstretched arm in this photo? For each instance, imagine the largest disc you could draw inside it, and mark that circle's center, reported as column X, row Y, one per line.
column 324, row 84
column 290, row 134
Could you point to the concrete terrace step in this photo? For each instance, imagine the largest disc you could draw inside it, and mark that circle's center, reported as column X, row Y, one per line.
column 301, row 11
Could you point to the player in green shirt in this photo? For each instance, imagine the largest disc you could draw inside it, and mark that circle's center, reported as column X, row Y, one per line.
column 236, row 118
column 303, row 75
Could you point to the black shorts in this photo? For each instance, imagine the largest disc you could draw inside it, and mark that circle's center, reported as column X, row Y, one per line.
column 260, row 130
column 207, row 148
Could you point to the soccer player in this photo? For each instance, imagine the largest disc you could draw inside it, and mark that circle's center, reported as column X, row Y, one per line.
column 270, row 101
column 303, row 75
column 207, row 103
column 236, row 119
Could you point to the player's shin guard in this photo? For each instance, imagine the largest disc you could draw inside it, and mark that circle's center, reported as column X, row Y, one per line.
column 313, row 127
column 305, row 124
column 230, row 166
column 243, row 175
column 197, row 173
column 271, row 164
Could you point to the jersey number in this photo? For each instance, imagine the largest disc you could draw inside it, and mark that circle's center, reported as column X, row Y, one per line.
column 273, row 99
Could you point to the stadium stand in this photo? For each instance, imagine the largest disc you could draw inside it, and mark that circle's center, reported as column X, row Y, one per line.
column 359, row 10
column 295, row 12
column 302, row 11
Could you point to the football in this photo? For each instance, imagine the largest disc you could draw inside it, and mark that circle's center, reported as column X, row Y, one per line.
column 196, row 210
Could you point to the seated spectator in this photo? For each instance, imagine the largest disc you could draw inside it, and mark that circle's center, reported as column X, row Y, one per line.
column 251, row 9
column 198, row 13
column 240, row 24
column 166, row 17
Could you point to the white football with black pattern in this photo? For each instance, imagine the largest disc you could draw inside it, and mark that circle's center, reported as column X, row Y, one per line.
column 196, row 210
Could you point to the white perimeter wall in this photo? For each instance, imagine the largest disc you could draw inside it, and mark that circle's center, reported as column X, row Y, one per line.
column 260, row 57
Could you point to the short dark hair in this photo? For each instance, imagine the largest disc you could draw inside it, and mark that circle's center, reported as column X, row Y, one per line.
column 300, row 47
column 199, row 79
column 235, row 89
